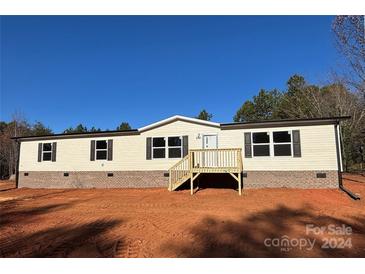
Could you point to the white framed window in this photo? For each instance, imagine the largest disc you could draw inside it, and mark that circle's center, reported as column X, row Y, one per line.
column 101, row 150
column 47, row 152
column 158, row 147
column 261, row 144
column 282, row 143
column 167, row 147
column 175, row 146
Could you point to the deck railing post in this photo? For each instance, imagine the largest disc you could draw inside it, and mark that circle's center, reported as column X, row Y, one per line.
column 191, row 156
column 190, row 160
column 239, row 184
column 170, row 174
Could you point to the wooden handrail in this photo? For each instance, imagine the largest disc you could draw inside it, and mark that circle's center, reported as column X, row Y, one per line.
column 179, row 171
column 218, row 160
column 179, row 162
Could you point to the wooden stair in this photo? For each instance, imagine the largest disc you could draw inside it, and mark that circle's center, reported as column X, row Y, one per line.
column 198, row 161
column 179, row 173
column 178, row 183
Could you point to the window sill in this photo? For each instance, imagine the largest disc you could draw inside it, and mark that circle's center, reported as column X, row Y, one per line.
column 166, row 158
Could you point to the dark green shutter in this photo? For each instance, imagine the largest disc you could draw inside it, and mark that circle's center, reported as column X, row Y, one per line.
column 148, row 148
column 185, row 145
column 54, row 150
column 40, row 146
column 248, row 148
column 110, row 150
column 92, row 150
column 296, row 144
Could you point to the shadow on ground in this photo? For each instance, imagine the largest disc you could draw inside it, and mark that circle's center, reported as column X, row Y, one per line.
column 12, row 216
column 50, row 194
column 87, row 240
column 13, row 211
column 78, row 238
column 214, row 237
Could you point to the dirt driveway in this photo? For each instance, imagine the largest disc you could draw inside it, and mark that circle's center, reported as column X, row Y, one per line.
column 157, row 223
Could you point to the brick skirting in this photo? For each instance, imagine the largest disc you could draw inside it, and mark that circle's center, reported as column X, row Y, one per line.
column 93, row 179
column 291, row 179
column 157, row 178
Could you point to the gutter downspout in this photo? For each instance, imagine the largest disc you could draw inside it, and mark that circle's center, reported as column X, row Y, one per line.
column 338, row 138
column 17, row 165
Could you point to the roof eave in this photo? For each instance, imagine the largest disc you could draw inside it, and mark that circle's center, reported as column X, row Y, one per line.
column 284, row 123
column 178, row 118
column 78, row 135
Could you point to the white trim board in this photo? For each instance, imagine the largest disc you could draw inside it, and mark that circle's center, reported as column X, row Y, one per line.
column 178, row 118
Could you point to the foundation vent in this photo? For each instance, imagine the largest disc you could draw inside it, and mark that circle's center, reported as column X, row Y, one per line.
column 321, row 175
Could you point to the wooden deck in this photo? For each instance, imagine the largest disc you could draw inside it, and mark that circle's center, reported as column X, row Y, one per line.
column 198, row 161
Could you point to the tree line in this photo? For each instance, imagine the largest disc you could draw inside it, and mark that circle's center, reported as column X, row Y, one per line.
column 80, row 128
column 19, row 126
column 304, row 100
column 8, row 148
column 344, row 95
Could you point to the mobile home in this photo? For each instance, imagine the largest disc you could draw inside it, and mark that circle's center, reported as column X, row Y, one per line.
column 301, row 153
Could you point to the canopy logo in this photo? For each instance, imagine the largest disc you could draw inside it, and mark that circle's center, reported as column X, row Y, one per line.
column 286, row 244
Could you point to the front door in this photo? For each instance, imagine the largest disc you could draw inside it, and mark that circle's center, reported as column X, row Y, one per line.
column 210, row 158
column 210, row 141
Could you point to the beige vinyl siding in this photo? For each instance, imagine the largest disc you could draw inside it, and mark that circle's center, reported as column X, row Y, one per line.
column 318, row 147
column 129, row 152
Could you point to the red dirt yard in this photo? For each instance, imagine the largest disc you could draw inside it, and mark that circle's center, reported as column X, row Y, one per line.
column 156, row 223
